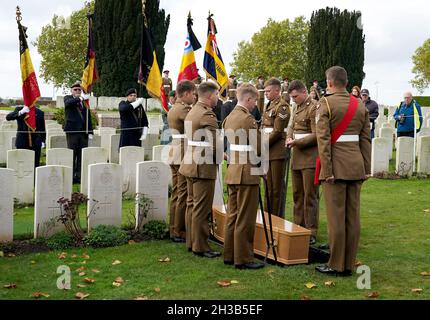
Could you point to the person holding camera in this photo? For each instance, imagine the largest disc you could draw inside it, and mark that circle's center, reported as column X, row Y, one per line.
column 408, row 116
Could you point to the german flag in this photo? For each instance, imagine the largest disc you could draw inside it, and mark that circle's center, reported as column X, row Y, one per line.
column 149, row 71
column 90, row 70
column 30, row 88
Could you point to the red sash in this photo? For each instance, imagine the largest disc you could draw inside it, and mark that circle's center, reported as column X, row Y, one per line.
column 338, row 131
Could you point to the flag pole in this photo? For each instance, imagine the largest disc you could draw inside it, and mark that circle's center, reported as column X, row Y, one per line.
column 88, row 40
column 144, row 21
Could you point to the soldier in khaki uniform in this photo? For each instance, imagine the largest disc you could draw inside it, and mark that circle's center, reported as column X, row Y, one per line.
column 185, row 92
column 275, row 121
column 345, row 164
column 242, row 182
column 302, row 139
column 167, row 82
column 200, row 167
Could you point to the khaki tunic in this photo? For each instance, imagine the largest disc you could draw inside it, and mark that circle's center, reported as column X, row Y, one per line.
column 304, row 154
column 276, row 117
column 178, row 203
column 200, row 177
column 348, row 162
column 243, row 189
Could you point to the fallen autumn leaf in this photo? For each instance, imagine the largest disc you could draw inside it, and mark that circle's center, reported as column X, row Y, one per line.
column 425, row 274
column 89, row 280
column 373, row 294
column 329, row 284
column 310, row 285
column 116, row 262
column 224, row 283
column 38, row 294
column 166, row 259
column 417, row 290
column 81, row 295
column 10, row 286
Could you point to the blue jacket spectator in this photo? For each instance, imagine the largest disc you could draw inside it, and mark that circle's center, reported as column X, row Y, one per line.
column 405, row 115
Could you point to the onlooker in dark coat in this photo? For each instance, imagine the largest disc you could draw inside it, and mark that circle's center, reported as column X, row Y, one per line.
column 373, row 109
column 24, row 139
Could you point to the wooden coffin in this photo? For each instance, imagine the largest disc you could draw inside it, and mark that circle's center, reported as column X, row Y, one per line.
column 292, row 240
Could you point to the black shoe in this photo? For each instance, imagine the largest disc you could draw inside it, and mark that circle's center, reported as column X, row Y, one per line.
column 189, row 249
column 345, row 273
column 325, row 269
column 312, row 240
column 324, row 246
column 250, row 265
column 178, row 239
column 207, row 254
column 230, row 263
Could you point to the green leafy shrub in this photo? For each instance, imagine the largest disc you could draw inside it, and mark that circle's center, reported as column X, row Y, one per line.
column 157, row 230
column 60, row 241
column 106, row 236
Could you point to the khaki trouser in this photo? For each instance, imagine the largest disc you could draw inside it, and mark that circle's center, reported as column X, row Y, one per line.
column 274, row 184
column 199, row 209
column 178, row 204
column 240, row 223
column 342, row 201
column 306, row 199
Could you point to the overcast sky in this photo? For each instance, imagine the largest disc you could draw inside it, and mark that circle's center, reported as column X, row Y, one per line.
column 393, row 31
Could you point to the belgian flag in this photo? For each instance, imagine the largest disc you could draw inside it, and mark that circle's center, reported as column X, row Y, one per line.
column 30, row 88
column 149, row 71
column 90, row 70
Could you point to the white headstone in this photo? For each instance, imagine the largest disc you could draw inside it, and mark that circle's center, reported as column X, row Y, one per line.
column 7, row 178
column 57, row 142
column 424, row 155
column 152, row 139
column 59, row 157
column 105, row 195
column 6, row 134
column 52, row 132
column 52, row 183
column 90, row 156
column 128, row 158
column 405, row 156
column 22, row 161
column 161, row 153
column 380, row 155
column 95, row 142
column 388, row 133
column 152, row 183
column 155, row 123
column 114, row 148
column 105, row 133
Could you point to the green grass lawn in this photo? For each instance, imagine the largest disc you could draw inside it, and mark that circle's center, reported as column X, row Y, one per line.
column 395, row 241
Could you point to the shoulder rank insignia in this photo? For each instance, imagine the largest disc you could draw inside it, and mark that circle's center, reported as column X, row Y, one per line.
column 283, row 116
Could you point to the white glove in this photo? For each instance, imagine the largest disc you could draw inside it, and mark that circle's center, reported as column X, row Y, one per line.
column 90, row 136
column 144, row 134
column 81, row 98
column 43, row 145
column 137, row 103
column 24, row 110
column 86, row 96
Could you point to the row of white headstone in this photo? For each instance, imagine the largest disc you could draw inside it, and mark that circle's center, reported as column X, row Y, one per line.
column 105, row 137
column 104, row 186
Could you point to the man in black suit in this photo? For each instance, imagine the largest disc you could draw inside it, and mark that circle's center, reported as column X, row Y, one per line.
column 78, row 126
column 25, row 138
column 134, row 122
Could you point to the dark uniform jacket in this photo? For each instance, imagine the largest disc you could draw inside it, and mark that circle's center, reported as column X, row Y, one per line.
column 343, row 160
column 22, row 139
column 373, row 108
column 132, row 120
column 76, row 115
column 305, row 150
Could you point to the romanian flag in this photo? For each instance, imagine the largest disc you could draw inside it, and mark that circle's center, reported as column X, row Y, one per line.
column 149, row 71
column 90, row 74
column 30, row 88
column 212, row 63
column 189, row 69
